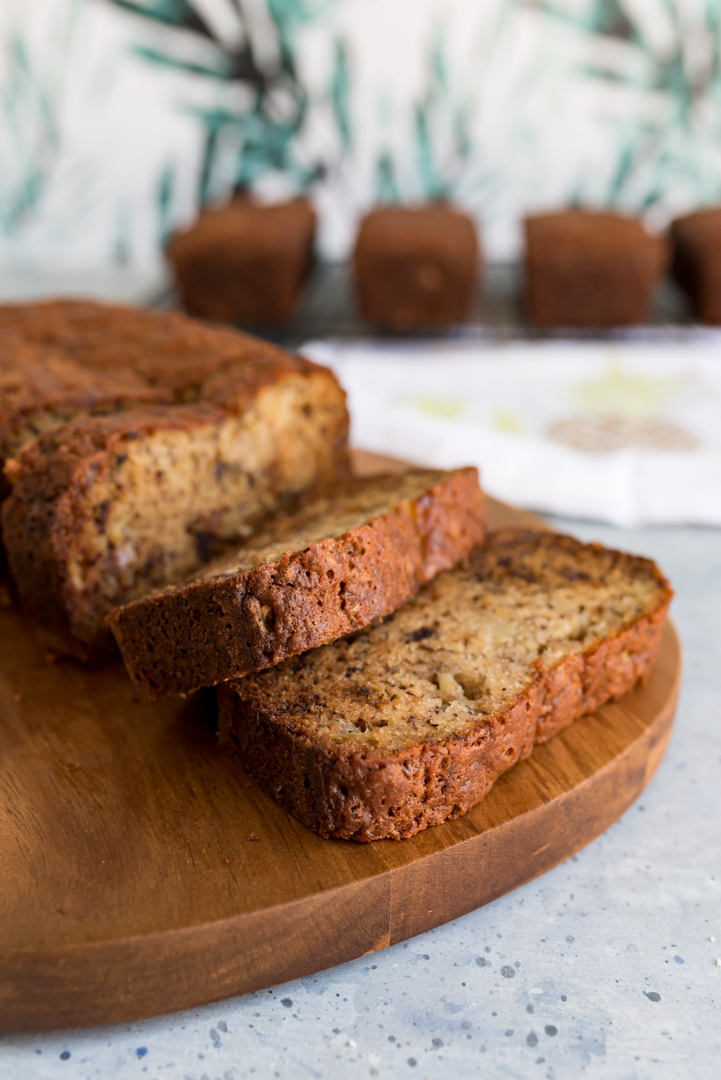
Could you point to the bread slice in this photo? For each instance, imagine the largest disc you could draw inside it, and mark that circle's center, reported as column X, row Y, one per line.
column 104, row 509
column 409, row 722
column 349, row 556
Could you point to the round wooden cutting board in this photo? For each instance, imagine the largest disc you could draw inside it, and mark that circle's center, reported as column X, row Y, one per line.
column 143, row 872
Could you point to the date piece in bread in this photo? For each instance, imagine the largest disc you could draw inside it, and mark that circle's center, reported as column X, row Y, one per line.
column 409, row 722
column 104, row 509
column 346, row 558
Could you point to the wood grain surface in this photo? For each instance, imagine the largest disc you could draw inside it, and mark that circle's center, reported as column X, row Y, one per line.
column 142, row 872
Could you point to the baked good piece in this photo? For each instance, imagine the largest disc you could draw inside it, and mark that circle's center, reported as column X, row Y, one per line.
column 106, row 508
column 63, row 362
column 245, row 262
column 696, row 265
column 409, row 722
column 345, row 558
column 416, row 267
column 586, row 269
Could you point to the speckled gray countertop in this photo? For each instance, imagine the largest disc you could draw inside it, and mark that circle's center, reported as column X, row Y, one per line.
column 605, row 967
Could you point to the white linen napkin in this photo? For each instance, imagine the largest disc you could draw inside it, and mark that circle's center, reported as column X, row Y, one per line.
column 628, row 433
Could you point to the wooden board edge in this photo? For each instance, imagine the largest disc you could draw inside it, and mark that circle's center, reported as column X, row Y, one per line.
column 97, row 983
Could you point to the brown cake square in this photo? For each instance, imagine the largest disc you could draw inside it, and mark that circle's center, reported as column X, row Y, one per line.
column 416, row 267
column 586, row 269
column 244, row 262
column 696, row 265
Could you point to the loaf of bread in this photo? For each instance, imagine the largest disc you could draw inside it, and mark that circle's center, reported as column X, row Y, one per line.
column 106, row 508
column 409, row 722
column 347, row 557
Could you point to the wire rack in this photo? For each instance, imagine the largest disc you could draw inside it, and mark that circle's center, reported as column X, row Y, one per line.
column 328, row 310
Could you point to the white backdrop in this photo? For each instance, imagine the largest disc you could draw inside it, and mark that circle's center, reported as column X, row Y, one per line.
column 117, row 118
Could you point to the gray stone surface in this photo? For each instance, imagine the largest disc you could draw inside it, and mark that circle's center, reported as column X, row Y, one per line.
column 605, row 967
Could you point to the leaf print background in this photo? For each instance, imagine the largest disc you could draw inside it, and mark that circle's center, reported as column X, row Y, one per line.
column 119, row 117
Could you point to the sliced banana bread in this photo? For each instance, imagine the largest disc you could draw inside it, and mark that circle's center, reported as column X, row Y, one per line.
column 409, row 722
column 104, row 509
column 267, row 424
column 347, row 557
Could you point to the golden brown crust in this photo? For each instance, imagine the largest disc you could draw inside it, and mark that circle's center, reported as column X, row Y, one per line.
column 162, row 349
column 217, row 628
column 363, row 792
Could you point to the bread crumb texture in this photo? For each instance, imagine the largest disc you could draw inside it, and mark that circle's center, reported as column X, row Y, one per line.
column 348, row 556
column 410, row 721
column 126, row 482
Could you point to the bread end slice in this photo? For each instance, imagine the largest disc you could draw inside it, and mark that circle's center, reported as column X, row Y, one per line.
column 410, row 722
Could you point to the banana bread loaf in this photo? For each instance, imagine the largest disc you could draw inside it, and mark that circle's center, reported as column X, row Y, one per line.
column 106, row 508
column 346, row 558
column 409, row 722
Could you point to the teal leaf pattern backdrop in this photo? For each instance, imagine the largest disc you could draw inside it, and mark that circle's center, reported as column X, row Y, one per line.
column 121, row 117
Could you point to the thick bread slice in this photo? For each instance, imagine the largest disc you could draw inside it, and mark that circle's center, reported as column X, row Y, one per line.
column 348, row 557
column 410, row 722
column 106, row 508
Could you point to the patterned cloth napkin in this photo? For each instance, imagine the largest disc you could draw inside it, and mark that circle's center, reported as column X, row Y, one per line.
column 628, row 433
